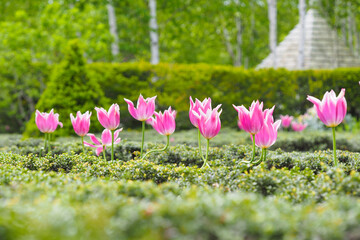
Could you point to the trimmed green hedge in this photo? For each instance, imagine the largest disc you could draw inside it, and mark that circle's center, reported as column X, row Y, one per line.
column 174, row 83
column 280, row 173
column 59, row 206
column 167, row 196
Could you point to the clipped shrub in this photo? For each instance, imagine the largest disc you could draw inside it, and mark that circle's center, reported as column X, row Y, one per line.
column 69, row 90
column 66, row 195
column 174, row 83
column 126, row 80
column 225, row 85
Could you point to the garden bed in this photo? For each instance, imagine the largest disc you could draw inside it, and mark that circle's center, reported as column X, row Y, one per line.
column 70, row 195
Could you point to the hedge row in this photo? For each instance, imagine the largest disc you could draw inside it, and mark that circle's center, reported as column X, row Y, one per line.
column 58, row 206
column 167, row 196
column 174, row 83
column 294, row 176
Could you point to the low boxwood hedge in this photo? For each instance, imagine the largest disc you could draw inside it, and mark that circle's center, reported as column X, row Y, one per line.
column 174, row 84
column 67, row 194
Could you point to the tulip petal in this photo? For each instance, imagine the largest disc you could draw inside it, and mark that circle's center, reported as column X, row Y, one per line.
column 106, row 137
column 99, row 150
column 89, row 144
column 131, row 108
column 94, row 139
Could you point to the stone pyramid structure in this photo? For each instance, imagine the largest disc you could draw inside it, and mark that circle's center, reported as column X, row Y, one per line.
column 323, row 47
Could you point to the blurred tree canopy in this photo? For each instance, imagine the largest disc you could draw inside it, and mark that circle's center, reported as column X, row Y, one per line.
column 190, row 31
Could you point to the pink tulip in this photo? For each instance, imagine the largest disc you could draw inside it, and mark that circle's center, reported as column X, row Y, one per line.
column 298, row 127
column 47, row 122
column 105, row 140
column 331, row 109
column 286, row 120
column 196, row 107
column 209, row 125
column 164, row 123
column 81, row 123
column 239, row 124
column 209, row 122
column 268, row 114
column 109, row 120
column 267, row 136
column 150, row 121
column 144, row 110
column 251, row 121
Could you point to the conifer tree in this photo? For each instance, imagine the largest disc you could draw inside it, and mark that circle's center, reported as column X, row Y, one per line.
column 70, row 90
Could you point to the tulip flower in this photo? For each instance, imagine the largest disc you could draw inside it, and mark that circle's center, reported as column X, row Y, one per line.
column 164, row 124
column 81, row 124
column 267, row 136
column 209, row 126
column 251, row 120
column 286, row 120
column 47, row 123
column 209, row 122
column 298, row 127
column 106, row 140
column 331, row 110
column 144, row 110
column 196, row 107
column 109, row 120
column 268, row 114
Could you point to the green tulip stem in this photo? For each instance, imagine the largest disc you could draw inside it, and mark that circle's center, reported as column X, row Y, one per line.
column 262, row 157
column 49, row 142
column 104, row 153
column 159, row 150
column 264, row 154
column 142, row 139
column 253, row 153
column 45, row 142
column 199, row 142
column 112, row 144
column 82, row 143
column 334, row 148
column 207, row 154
